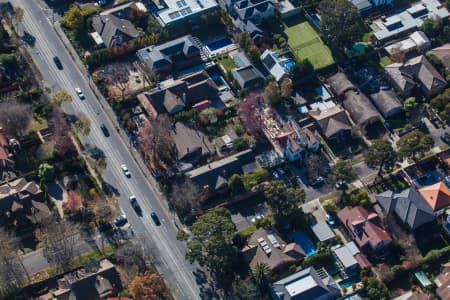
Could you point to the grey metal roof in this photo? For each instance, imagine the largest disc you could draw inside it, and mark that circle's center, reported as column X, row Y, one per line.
column 247, row 76
column 323, row 232
column 345, row 256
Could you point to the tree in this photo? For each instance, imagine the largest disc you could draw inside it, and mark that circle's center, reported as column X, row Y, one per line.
column 249, row 113
column 186, row 197
column 9, row 61
column 301, row 70
column 410, row 104
column 57, row 98
column 244, row 290
column 441, row 104
column 235, row 184
column 119, row 77
column 12, row 271
column 153, row 26
column 375, row 290
column 413, row 143
column 261, row 277
column 156, row 142
column 211, row 244
column 253, row 53
column 46, row 172
column 74, row 201
column 381, row 155
column 18, row 14
column 283, row 201
column 15, row 117
column 343, row 170
column 149, row 286
column 83, row 124
column 341, row 25
column 272, row 94
column 329, row 205
column 61, row 242
column 61, row 135
column 286, row 88
column 74, row 18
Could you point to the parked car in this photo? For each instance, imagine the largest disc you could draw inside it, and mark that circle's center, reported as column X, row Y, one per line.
column 446, row 138
column 104, row 130
column 341, row 185
column 331, row 220
column 58, row 62
column 79, row 93
column 275, row 175
column 135, row 205
column 125, row 170
column 155, row 218
column 120, row 220
column 317, row 181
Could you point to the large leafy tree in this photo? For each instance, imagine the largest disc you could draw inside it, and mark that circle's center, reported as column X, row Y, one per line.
column 341, row 24
column 46, row 172
column 441, row 104
column 414, row 143
column 149, row 286
column 211, row 244
column 74, row 18
column 282, row 200
column 343, row 170
column 381, row 155
column 301, row 70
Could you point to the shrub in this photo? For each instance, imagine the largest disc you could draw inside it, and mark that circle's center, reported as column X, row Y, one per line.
column 256, row 177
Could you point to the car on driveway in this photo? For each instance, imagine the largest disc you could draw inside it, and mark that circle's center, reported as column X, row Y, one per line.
column 155, row 218
column 331, row 220
column 57, row 62
column 317, row 181
column 135, row 205
column 125, row 170
column 446, row 138
column 120, row 220
column 80, row 93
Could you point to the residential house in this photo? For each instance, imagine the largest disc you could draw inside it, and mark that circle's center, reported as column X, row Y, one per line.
column 387, row 103
column 407, row 20
column 112, row 31
column 268, row 248
column 365, row 228
column 191, row 144
column 323, row 232
column 413, row 295
column 349, row 259
column 248, row 77
column 6, row 162
column 442, row 282
column 409, row 207
column 21, row 203
column 95, row 281
column 308, row 284
column 277, row 66
column 248, row 15
column 364, row 6
column 287, row 9
column 181, row 94
column 417, row 71
column 340, row 84
column 416, row 41
column 360, row 109
column 176, row 13
column 443, row 54
column 437, row 196
column 177, row 54
column 332, row 123
column 213, row 177
column 290, row 140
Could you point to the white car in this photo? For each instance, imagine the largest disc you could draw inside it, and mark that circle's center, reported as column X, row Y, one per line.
column 125, row 170
column 79, row 93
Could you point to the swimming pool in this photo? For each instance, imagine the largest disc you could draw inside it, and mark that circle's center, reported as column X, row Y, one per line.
column 219, row 44
column 302, row 239
column 349, row 281
column 288, row 63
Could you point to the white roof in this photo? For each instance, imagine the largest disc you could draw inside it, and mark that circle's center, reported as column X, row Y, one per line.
column 97, row 38
column 301, row 285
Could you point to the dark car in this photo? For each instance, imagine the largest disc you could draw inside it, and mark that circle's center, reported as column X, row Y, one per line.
column 446, row 138
column 58, row 62
column 135, row 205
column 120, row 220
column 155, row 218
column 105, row 130
column 317, row 181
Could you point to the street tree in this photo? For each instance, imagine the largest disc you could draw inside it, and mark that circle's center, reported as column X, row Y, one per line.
column 59, row 97
column 211, row 245
column 74, row 18
column 260, row 275
column 61, row 135
column 83, row 124
column 249, row 114
column 186, row 197
column 15, row 117
column 118, row 77
column 283, row 201
column 46, row 172
column 381, row 155
column 61, row 242
column 286, row 88
column 414, row 143
column 343, row 171
column 149, row 286
column 18, row 14
column 341, row 25
column 272, row 94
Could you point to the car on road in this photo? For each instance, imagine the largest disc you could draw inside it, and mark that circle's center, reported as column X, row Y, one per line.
column 446, row 138
column 120, row 220
column 137, row 208
column 317, row 181
column 57, row 62
column 125, row 170
column 155, row 218
column 79, row 93
column 104, row 130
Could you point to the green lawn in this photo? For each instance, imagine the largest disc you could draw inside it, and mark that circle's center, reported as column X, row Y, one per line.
column 306, row 43
column 384, row 61
column 226, row 62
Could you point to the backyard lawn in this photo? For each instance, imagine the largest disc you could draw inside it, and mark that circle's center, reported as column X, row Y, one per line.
column 306, row 43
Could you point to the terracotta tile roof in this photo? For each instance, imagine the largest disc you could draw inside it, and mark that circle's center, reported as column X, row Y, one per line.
column 436, row 195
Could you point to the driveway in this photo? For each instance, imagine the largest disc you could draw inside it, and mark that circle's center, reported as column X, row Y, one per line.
column 310, row 192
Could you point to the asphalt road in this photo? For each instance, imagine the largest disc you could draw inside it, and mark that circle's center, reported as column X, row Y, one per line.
column 169, row 252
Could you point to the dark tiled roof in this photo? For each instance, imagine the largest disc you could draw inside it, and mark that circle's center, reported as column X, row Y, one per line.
column 360, row 108
column 110, row 26
column 386, row 101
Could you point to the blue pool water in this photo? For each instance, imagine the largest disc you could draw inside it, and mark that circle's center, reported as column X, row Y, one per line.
column 302, row 239
column 288, row 63
column 349, row 281
column 219, row 44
